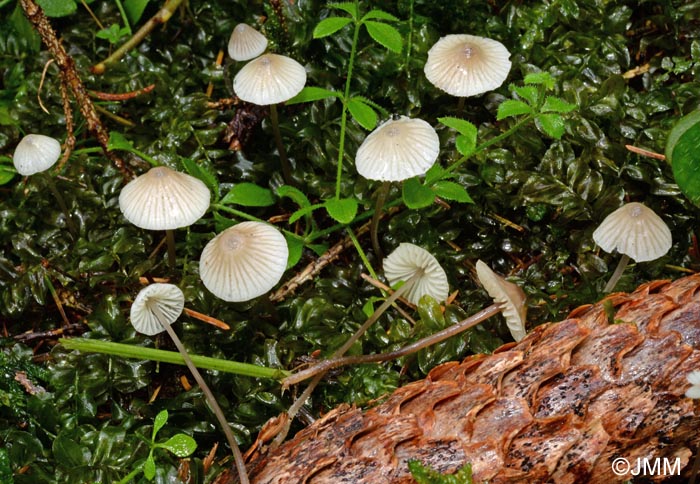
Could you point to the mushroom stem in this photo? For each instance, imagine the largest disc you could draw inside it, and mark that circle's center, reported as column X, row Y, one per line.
column 61, row 203
column 299, row 402
column 213, row 404
column 382, row 194
column 286, row 167
column 170, row 238
column 617, row 274
column 438, row 337
column 460, row 105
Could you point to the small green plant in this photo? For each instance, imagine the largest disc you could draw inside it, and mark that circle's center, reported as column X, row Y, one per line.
column 181, row 445
column 425, row 475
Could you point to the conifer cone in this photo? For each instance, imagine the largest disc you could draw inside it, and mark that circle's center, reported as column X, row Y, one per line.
column 559, row 406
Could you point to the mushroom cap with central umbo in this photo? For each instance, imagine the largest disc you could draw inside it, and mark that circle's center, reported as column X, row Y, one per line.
column 244, row 261
column 405, row 261
column 636, row 231
column 170, row 302
column 164, row 199
column 36, row 153
column 509, row 295
column 246, row 43
column 269, row 79
column 466, row 65
column 398, row 149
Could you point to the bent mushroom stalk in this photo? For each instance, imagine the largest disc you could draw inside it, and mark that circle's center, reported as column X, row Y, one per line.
column 155, row 308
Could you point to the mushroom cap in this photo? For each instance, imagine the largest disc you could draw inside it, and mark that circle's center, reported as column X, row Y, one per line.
column 246, row 43
column 467, row 65
column 509, row 295
column 694, row 379
column 403, row 263
column 269, row 79
column 244, row 261
column 169, row 300
column 36, row 153
column 636, row 231
column 398, row 149
column 164, row 199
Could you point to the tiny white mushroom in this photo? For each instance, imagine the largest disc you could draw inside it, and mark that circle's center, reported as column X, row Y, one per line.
column 509, row 295
column 466, row 65
column 244, row 261
column 246, row 43
column 269, row 79
column 170, row 301
column 636, row 232
column 398, row 149
column 36, row 153
column 406, row 261
column 694, row 379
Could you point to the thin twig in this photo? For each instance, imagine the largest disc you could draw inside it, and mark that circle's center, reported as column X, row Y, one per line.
column 70, row 135
column 647, row 153
column 122, row 96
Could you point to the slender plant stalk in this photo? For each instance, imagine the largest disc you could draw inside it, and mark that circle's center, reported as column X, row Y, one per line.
column 61, row 203
column 284, row 161
column 172, row 357
column 170, row 237
column 344, row 116
column 382, row 194
column 438, row 337
column 624, row 260
column 361, row 252
column 237, row 456
column 299, row 402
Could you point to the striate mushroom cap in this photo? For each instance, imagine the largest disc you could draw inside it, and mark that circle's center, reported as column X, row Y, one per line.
column 164, row 199
column 246, row 43
column 398, row 149
column 269, row 79
column 466, row 65
column 403, row 263
column 636, row 231
column 169, row 300
column 509, row 295
column 36, row 153
column 244, row 261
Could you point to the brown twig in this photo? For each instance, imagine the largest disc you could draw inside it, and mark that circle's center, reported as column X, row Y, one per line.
column 70, row 76
column 70, row 135
column 123, row 96
column 643, row 152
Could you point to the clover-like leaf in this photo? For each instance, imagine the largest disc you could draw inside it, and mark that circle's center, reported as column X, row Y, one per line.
column 342, row 210
column 551, row 124
column 329, row 26
column 512, row 107
column 452, row 191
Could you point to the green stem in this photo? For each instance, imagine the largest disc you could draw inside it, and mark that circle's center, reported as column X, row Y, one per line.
column 409, row 39
column 382, row 194
column 220, row 417
column 243, row 215
column 152, row 354
column 344, row 116
column 124, row 17
column 284, row 161
column 131, row 475
column 361, row 252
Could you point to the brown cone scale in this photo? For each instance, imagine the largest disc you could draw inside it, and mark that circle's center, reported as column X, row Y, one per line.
column 559, row 406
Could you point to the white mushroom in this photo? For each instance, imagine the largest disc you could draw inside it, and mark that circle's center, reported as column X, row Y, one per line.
column 398, row 149
column 467, row 65
column 246, row 43
column 244, row 261
column 636, row 232
column 36, row 153
column 406, row 261
column 509, row 295
column 269, row 79
column 169, row 300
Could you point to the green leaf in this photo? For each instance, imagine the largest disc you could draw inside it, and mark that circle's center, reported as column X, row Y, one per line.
column 295, row 247
column 435, row 173
column 134, row 9
column 57, row 8
column 158, row 423
column 27, row 38
column 551, row 124
column 362, row 113
column 380, row 14
column 416, row 195
column 295, row 194
column 683, row 125
column 68, row 452
column 330, row 25
column 304, row 211
column 249, row 195
column 385, row 34
column 7, row 170
column 465, row 145
column 452, row 191
column 511, row 108
column 312, row 93
column 181, row 445
column 349, row 7
column 202, row 173
column 556, row 105
column 342, row 210
column 118, row 141
column 529, row 93
column 540, row 78
column 113, row 33
column 149, row 467
column 686, row 162
column 462, row 126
